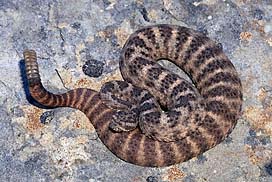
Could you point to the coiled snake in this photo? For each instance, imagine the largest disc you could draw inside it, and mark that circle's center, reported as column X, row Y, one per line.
column 154, row 117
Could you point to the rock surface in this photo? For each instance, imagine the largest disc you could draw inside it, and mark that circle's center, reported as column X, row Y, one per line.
column 61, row 145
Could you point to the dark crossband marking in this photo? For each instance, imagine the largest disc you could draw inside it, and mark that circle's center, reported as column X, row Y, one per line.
column 208, row 80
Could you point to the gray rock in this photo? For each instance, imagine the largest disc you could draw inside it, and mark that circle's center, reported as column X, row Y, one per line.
column 61, row 145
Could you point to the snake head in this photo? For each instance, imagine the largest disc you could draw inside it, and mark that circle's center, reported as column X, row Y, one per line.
column 124, row 120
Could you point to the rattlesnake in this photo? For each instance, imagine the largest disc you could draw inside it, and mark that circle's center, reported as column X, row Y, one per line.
column 156, row 118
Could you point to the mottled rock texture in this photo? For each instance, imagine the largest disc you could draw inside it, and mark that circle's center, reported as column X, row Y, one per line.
column 61, row 145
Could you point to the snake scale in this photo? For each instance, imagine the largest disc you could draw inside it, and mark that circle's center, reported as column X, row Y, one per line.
column 154, row 117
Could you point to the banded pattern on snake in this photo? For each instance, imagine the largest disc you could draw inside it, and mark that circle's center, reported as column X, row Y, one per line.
column 154, row 117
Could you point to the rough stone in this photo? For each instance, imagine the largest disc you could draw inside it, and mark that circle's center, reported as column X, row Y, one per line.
column 62, row 145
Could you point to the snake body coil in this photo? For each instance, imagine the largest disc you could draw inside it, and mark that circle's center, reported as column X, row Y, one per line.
column 156, row 118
